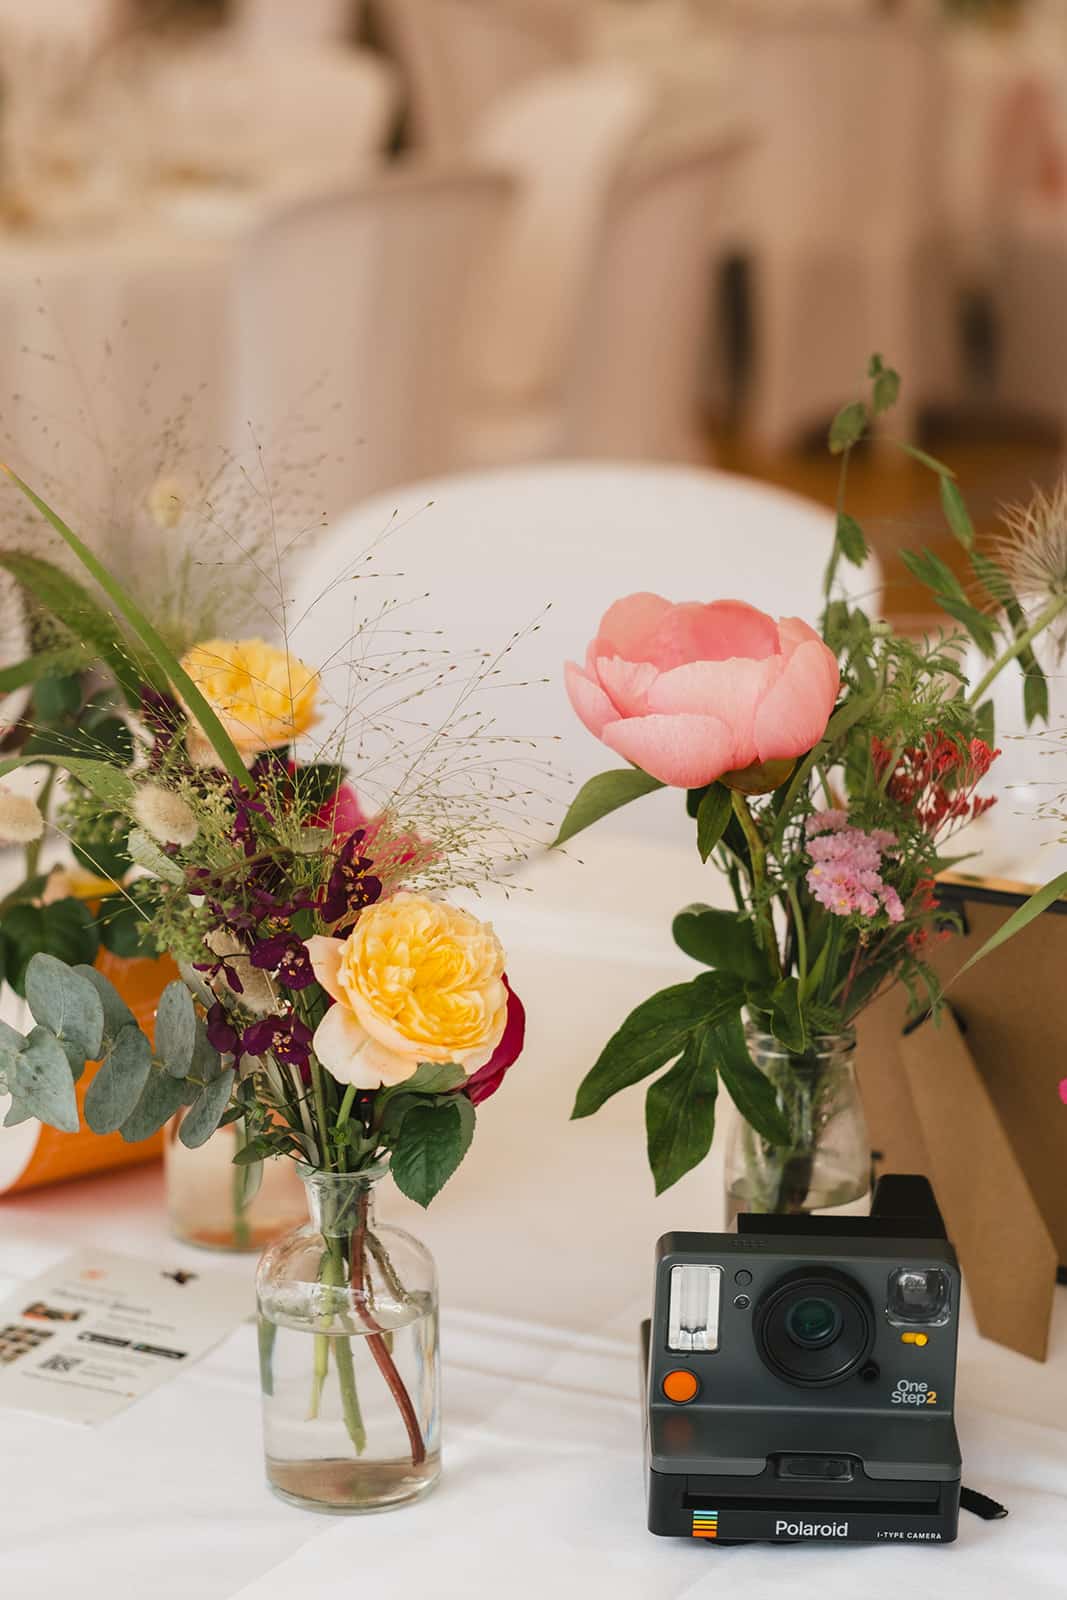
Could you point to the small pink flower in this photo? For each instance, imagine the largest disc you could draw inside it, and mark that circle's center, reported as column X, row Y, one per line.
column 689, row 692
column 1063, row 1090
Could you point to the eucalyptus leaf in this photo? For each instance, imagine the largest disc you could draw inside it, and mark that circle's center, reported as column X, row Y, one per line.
column 120, row 1081
column 43, row 1081
column 160, row 1099
column 69, row 1006
column 176, row 1029
column 63, row 929
column 603, row 794
column 201, row 1120
column 117, row 1014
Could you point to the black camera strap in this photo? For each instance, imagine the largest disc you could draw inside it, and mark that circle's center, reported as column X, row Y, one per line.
column 981, row 1505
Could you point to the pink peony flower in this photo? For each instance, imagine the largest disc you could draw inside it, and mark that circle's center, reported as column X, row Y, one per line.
column 689, row 692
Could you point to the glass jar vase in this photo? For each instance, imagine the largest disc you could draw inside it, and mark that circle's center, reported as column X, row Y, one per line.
column 218, row 1205
column 825, row 1166
column 348, row 1355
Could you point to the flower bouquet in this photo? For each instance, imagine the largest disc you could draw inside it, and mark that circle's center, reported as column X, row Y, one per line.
column 329, row 999
column 828, row 777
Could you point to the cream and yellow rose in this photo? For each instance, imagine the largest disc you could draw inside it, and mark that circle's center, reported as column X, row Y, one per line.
column 264, row 697
column 416, row 981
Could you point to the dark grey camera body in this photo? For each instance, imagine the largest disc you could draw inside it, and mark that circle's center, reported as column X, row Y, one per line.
column 801, row 1378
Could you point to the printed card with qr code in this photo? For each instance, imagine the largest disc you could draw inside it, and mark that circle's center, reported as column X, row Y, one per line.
column 97, row 1331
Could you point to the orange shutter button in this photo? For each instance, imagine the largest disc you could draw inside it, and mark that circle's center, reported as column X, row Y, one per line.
column 680, row 1386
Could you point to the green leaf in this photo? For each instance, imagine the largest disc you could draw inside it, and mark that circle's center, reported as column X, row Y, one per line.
column 203, row 1117
column 653, row 1034
column 176, row 1029
column 61, row 595
column 65, row 1003
column 108, row 783
column 886, row 390
column 145, row 852
column 1035, row 695
column 433, row 1139
column 57, row 697
column 956, row 514
column 787, row 1019
column 601, row 795
column 104, row 859
column 1039, row 901
column 431, row 1077
column 165, row 660
column 713, row 817
column 721, row 939
column 44, row 664
column 160, row 1099
column 124, row 928
column 44, row 1086
column 851, row 540
column 63, row 929
column 848, row 427
column 749, row 1090
column 118, row 1085
column 985, row 721
column 942, row 581
column 117, row 1014
column 925, row 460
column 680, row 1112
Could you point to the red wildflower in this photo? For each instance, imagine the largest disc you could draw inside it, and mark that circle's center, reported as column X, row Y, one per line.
column 936, row 780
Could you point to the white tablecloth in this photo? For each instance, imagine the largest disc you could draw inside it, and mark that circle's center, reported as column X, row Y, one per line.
column 545, row 1243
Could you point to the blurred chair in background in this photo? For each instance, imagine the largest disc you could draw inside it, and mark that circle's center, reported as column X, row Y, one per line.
column 295, row 22
column 597, row 299
column 835, row 211
column 458, row 57
column 285, row 119
column 351, row 309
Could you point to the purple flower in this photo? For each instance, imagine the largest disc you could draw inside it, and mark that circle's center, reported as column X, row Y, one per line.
column 285, row 1037
column 221, row 1033
column 351, row 885
column 285, row 955
column 223, row 966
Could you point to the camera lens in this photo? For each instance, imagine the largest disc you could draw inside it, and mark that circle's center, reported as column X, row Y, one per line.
column 813, row 1322
column 814, row 1326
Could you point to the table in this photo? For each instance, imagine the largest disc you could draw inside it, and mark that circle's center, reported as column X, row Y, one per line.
column 544, row 1241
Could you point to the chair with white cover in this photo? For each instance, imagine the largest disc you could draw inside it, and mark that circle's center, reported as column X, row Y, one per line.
column 487, row 552
column 287, row 119
column 835, row 211
column 350, row 310
column 282, row 23
column 597, row 300
column 458, row 57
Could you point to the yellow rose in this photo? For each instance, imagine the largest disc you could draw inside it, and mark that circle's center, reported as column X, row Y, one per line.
column 263, row 697
column 416, row 981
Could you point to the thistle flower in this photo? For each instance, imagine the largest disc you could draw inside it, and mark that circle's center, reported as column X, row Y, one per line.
column 164, row 815
column 1033, row 548
column 20, row 820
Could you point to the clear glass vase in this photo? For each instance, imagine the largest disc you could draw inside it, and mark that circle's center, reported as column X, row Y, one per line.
column 218, row 1205
column 348, row 1355
column 826, row 1164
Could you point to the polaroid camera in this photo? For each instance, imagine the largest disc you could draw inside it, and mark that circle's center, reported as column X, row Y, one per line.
column 800, row 1377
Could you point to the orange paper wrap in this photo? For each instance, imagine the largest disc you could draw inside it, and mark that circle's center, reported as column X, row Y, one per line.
column 32, row 1155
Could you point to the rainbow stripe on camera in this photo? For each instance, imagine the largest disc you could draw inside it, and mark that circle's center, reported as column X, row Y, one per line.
column 705, row 1524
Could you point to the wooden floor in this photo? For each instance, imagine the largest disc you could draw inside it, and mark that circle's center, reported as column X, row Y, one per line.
column 897, row 501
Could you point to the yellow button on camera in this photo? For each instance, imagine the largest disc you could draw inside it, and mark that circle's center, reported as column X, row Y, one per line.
column 915, row 1338
column 680, row 1386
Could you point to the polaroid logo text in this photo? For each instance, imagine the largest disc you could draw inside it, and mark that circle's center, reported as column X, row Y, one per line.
column 811, row 1530
column 909, row 1392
